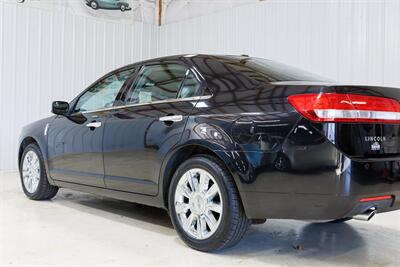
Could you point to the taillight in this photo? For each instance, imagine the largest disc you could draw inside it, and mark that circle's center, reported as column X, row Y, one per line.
column 333, row 107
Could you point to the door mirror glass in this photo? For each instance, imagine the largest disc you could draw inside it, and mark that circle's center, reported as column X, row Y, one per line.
column 60, row 108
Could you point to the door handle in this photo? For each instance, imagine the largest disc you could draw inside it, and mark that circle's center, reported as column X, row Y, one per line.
column 171, row 118
column 94, row 124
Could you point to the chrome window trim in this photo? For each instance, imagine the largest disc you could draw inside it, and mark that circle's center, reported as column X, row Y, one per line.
column 175, row 100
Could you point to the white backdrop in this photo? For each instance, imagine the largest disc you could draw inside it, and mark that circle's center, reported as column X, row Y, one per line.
column 53, row 55
column 45, row 56
column 355, row 41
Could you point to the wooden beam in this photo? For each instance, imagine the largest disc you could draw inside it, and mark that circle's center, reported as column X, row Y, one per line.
column 160, row 6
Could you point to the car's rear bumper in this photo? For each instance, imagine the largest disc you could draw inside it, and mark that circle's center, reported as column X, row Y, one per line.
column 312, row 206
column 326, row 191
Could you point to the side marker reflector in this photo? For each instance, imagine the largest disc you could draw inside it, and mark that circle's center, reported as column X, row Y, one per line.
column 368, row 199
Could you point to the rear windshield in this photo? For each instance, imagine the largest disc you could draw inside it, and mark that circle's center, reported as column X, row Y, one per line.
column 265, row 70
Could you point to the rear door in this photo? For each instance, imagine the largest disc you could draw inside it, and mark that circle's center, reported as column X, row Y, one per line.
column 138, row 136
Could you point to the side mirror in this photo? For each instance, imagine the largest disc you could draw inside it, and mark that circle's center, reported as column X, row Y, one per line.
column 60, row 108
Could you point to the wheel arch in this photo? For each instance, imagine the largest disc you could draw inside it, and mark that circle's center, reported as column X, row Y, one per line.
column 31, row 139
column 120, row 4
column 184, row 152
column 25, row 142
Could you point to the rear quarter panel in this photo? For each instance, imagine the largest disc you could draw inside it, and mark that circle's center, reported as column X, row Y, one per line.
column 251, row 129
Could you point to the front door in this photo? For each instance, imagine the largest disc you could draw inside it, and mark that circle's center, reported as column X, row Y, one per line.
column 138, row 136
column 75, row 143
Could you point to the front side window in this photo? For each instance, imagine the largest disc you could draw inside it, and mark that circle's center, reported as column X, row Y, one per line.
column 156, row 83
column 104, row 93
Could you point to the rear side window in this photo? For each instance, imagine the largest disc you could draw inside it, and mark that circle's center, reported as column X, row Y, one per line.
column 156, row 83
column 190, row 87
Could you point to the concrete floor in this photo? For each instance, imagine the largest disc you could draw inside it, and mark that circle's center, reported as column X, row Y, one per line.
column 81, row 229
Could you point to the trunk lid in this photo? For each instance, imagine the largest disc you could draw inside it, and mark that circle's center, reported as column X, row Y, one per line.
column 362, row 121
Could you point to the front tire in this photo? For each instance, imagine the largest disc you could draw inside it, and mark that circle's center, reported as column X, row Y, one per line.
column 204, row 205
column 33, row 175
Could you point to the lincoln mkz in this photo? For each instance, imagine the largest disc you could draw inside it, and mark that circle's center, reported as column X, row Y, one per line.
column 222, row 142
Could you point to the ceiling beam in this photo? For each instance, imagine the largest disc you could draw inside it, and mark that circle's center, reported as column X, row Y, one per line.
column 160, row 7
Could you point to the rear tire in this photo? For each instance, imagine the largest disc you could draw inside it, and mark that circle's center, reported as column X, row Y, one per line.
column 123, row 7
column 214, row 196
column 33, row 175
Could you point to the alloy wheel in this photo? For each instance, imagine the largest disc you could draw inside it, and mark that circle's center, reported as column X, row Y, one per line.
column 198, row 203
column 31, row 171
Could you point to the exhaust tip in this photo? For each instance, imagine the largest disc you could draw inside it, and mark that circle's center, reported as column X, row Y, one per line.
column 367, row 215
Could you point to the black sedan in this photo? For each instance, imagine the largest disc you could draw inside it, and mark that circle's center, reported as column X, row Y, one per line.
column 221, row 142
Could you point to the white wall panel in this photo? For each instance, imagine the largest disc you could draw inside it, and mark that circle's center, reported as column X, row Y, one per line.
column 47, row 56
column 349, row 41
